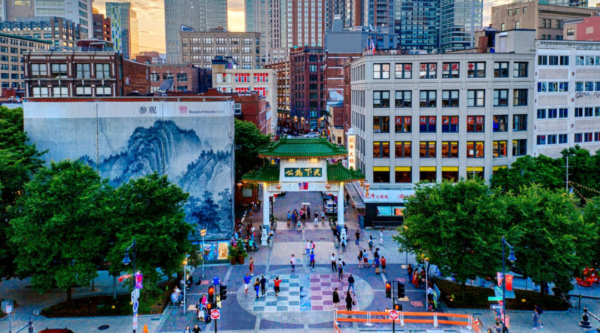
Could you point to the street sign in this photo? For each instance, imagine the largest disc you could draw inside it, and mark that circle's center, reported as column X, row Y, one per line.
column 9, row 309
column 136, row 305
column 495, row 307
column 215, row 314
column 494, row 299
column 393, row 315
column 203, row 232
column 135, row 294
column 135, row 321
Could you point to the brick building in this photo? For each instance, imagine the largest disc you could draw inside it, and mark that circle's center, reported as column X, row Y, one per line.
column 308, row 92
column 347, row 104
column 12, row 49
column 84, row 74
column 183, row 78
column 583, row 28
column 102, row 30
column 282, row 71
column 250, row 106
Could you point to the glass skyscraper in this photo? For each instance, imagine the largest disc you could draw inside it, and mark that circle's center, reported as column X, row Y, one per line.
column 459, row 19
column 418, row 24
column 124, row 28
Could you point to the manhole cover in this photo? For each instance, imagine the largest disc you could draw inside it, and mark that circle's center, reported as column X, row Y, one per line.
column 103, row 327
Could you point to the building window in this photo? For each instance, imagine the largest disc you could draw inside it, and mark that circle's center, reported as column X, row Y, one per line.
column 40, row 91
column 475, row 149
column 381, row 149
column 450, row 174
column 519, row 97
column 404, row 99
column 103, row 71
column 58, row 91
column 182, row 77
column 541, row 140
column 59, row 71
column 578, row 137
column 381, row 174
column 570, row 32
column 449, row 149
column 403, row 149
column 154, row 77
column 167, row 76
column 517, row 25
column 501, row 69
column 450, row 98
column 475, row 124
column 502, row 26
column 520, row 69
column 520, row 122
column 403, row 175
column 428, row 71
column 83, row 71
column 552, row 139
column 403, row 71
column 450, row 124
column 476, row 69
column 499, row 149
column 562, row 138
column 381, row 124
column 427, row 174
column 450, row 70
column 519, row 147
column 427, row 149
column 381, row 99
column 500, row 123
column 564, row 61
column 83, row 91
column 103, row 91
column 427, row 124
column 403, row 124
column 427, row 98
column 208, row 41
column 541, row 114
column 475, row 97
column 510, row 11
column 501, row 97
column 38, row 70
column 381, row 71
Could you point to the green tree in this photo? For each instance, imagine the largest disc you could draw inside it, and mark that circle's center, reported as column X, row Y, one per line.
column 584, row 170
column 250, row 140
column 553, row 241
column 527, row 170
column 60, row 226
column 18, row 163
column 458, row 226
column 150, row 210
column 591, row 215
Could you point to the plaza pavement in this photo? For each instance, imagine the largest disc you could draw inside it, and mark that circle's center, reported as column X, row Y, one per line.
column 297, row 310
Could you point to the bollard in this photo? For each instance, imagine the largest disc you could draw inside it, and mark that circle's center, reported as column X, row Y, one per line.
column 585, row 322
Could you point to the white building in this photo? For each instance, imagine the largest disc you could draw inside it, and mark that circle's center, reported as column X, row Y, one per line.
column 567, row 96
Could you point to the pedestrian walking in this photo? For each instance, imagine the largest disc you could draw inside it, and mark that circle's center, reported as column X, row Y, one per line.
column 366, row 258
column 251, row 266
column 187, row 330
column 351, row 283
column 294, row 219
column 349, row 301
column 537, row 312
column 336, row 298
column 383, row 264
column 247, row 280
column 343, row 244
column 340, row 272
column 308, row 211
column 276, row 284
column 357, row 234
column 347, row 199
column 323, row 217
column 196, row 329
column 360, row 258
column 293, row 263
column 307, row 247
column 316, row 223
column 409, row 270
column 333, row 265
column 257, row 286
column 263, row 285
column 312, row 260
column 289, row 218
column 312, row 246
column 370, row 242
column 381, row 237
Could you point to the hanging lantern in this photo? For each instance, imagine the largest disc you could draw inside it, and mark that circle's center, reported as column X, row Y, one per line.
column 239, row 185
column 362, row 183
column 278, row 187
column 327, row 186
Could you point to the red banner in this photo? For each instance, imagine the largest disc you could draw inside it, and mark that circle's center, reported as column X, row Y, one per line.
column 407, row 120
column 398, row 120
column 407, row 67
column 455, row 66
column 446, row 67
column 509, row 282
column 423, row 67
column 423, row 120
column 454, row 120
column 480, row 120
column 470, row 120
column 431, row 120
column 445, row 120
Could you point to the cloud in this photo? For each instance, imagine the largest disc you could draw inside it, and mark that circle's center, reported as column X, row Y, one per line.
column 235, row 6
column 145, row 9
column 236, row 21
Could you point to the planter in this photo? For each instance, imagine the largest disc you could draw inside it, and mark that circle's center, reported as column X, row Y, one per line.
column 241, row 260
column 233, row 261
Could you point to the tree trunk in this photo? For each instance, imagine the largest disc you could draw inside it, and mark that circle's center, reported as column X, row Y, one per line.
column 69, row 296
column 463, row 288
column 93, row 284
column 114, row 287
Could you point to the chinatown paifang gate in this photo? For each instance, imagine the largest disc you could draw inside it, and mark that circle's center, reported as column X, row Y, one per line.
column 301, row 164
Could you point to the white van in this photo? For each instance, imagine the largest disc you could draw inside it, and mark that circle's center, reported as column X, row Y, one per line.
column 330, row 207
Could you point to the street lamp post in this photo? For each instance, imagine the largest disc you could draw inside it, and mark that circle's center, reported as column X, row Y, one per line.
column 511, row 258
column 185, row 261
column 127, row 261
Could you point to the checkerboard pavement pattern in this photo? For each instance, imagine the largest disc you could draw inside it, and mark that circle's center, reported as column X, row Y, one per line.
column 301, row 292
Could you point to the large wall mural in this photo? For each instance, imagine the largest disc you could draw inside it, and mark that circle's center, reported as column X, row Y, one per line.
column 191, row 142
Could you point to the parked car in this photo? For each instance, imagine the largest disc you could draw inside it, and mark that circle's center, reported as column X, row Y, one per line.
column 56, row 330
column 330, row 207
column 311, row 135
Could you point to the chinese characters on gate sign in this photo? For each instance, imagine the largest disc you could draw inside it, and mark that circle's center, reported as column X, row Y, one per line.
column 352, row 152
column 303, row 172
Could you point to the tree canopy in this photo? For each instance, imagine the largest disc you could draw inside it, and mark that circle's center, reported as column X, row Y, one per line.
column 543, row 170
column 250, row 140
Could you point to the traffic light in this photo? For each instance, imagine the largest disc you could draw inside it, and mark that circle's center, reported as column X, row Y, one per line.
column 223, row 292
column 211, row 294
column 401, row 290
column 397, row 307
column 388, row 290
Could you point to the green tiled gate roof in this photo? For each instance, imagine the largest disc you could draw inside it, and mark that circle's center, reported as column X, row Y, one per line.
column 338, row 173
column 270, row 174
column 303, row 148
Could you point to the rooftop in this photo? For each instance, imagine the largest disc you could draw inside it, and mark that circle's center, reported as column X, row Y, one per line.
column 270, row 174
column 303, row 148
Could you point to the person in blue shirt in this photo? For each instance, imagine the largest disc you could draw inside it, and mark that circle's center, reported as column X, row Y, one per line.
column 312, row 260
column 247, row 280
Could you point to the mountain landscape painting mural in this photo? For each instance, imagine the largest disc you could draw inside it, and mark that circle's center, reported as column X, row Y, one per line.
column 191, row 142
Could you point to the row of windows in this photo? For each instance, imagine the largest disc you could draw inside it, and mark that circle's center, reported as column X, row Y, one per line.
column 587, row 137
column 553, row 86
column 181, row 77
column 60, row 71
column 552, row 113
column 218, row 41
column 554, row 60
column 450, row 124
column 219, row 50
column 587, row 86
column 587, row 112
column 551, row 139
column 449, row 70
column 449, row 149
column 450, row 98
column 59, row 91
column 404, row 175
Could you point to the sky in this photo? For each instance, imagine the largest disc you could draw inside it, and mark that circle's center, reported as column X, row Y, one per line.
column 152, row 22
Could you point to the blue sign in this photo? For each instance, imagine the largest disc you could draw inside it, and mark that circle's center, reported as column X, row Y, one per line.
column 216, row 280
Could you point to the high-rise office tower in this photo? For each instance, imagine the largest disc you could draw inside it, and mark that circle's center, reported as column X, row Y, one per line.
column 80, row 12
column 191, row 15
column 264, row 16
column 379, row 13
column 459, row 19
column 307, row 21
column 418, row 24
column 124, row 28
column 569, row 3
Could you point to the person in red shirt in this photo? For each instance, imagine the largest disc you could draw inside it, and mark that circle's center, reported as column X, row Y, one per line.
column 276, row 287
column 382, row 261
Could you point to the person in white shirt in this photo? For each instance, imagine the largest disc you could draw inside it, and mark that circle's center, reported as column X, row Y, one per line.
column 316, row 220
column 381, row 237
column 293, row 263
column 333, row 264
column 307, row 247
